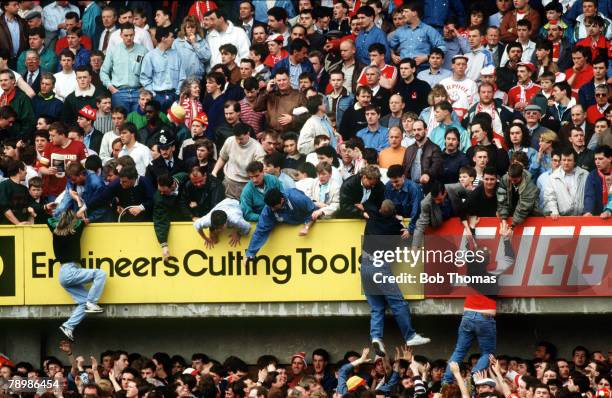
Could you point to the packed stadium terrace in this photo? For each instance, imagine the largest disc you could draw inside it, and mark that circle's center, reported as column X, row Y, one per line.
column 227, row 112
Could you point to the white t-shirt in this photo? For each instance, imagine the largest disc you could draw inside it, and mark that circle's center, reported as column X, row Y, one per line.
column 461, row 94
column 65, row 84
column 141, row 155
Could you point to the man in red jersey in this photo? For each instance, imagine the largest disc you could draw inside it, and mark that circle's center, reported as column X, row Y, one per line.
column 479, row 309
column 59, row 152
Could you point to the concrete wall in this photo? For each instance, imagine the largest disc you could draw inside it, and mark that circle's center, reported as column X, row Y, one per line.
column 251, row 336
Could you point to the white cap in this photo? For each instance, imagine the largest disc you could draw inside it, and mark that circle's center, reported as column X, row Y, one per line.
column 487, row 71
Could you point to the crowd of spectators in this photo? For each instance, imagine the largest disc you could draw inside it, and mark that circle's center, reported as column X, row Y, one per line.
column 301, row 110
column 282, row 111
column 356, row 375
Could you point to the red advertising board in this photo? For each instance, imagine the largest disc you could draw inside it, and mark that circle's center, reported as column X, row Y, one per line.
column 570, row 256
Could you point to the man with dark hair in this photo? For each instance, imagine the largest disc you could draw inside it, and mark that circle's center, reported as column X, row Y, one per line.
column 482, row 201
column 564, row 193
column 598, row 183
column 559, row 114
column 8, row 116
column 132, row 193
column 296, row 63
column 435, row 73
column 443, row 114
column 84, row 94
column 368, row 35
column 320, row 363
column 120, row 72
column 314, row 37
column 517, row 196
column 234, row 157
column 441, row 203
column 277, row 18
column 226, row 214
column 15, row 200
column 584, row 157
column 57, row 155
column 231, row 111
column 546, row 351
column 388, row 73
column 36, row 41
column 374, row 135
column 405, row 194
column 413, row 91
column 586, row 93
column 224, row 32
column 12, row 31
column 140, row 153
column 246, row 17
column 253, row 194
column 162, row 72
column 416, row 39
column 289, row 207
column 506, row 75
column 167, row 207
column 279, row 100
column 87, row 185
column 141, row 35
column 21, row 104
column 72, row 21
column 482, row 134
column 508, row 26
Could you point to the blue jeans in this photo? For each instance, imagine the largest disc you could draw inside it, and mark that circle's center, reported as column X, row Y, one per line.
column 127, row 98
column 474, row 325
column 73, row 278
column 165, row 99
column 390, row 295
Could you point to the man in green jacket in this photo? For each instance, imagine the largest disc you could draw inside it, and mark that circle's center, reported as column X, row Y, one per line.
column 48, row 59
column 167, row 207
column 21, row 104
column 252, row 197
column 517, row 196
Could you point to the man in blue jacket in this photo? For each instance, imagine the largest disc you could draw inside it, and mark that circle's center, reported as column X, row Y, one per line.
column 86, row 184
column 598, row 181
column 291, row 207
column 368, row 35
column 296, row 63
column 252, row 196
column 405, row 194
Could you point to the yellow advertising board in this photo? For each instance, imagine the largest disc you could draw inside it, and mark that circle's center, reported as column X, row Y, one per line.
column 323, row 266
column 11, row 266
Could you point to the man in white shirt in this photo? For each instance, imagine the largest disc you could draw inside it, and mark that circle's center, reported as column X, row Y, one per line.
column 478, row 57
column 65, row 80
column 137, row 151
column 523, row 31
column 461, row 90
column 118, row 115
column 224, row 32
column 141, row 36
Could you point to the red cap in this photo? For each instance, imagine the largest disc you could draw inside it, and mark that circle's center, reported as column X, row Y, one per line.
column 88, row 112
column 528, row 65
column 202, row 118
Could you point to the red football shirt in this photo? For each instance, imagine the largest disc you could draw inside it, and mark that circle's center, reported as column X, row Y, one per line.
column 583, row 77
column 388, row 71
column 60, row 157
